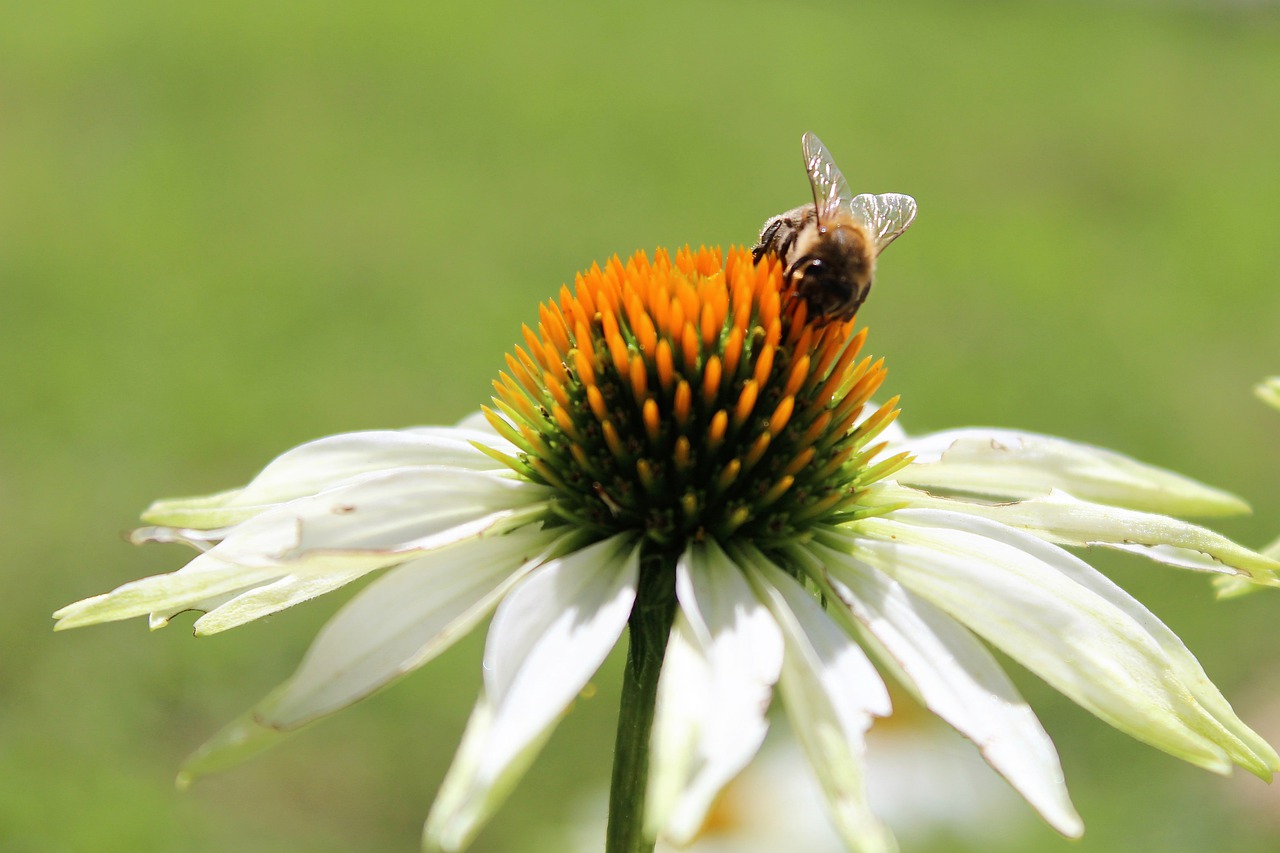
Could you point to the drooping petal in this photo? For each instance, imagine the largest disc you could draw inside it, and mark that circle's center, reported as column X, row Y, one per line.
column 1064, row 520
column 323, row 464
column 1010, row 465
column 954, row 676
column 721, row 663
column 1019, row 593
column 548, row 637
column 400, row 515
column 831, row 692
column 395, row 625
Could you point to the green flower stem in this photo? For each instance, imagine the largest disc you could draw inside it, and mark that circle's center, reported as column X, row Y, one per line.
column 648, row 627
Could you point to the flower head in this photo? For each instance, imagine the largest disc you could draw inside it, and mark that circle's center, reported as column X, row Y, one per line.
column 677, row 430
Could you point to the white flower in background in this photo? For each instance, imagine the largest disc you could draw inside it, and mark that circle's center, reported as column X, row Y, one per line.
column 923, row 780
column 677, row 446
column 1269, row 391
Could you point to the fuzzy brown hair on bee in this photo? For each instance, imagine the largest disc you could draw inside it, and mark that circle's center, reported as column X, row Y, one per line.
column 829, row 248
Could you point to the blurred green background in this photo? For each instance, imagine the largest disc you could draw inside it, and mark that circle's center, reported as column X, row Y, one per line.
column 229, row 228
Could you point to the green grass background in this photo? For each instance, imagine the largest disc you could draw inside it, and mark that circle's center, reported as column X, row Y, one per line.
column 229, row 228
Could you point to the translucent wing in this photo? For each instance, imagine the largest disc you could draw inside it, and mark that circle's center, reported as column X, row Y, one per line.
column 884, row 216
column 830, row 189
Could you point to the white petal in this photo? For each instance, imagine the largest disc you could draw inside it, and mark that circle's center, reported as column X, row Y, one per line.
column 332, row 538
column 1061, row 519
column 395, row 625
column 404, row 619
column 549, row 636
column 267, row 599
column 324, row 463
column 400, row 511
column 204, row 579
column 955, row 677
column 831, row 692
column 1021, row 597
column 721, row 663
column 1010, row 465
column 1244, row 745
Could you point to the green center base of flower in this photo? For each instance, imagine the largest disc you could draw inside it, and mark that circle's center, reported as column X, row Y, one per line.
column 692, row 399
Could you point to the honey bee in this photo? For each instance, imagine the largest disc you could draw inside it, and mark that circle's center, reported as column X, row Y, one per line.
column 828, row 249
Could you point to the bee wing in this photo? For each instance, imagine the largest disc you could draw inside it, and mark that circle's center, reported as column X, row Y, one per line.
column 884, row 216
column 830, row 189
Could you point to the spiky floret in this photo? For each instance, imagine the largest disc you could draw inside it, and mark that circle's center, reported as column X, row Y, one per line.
column 691, row 398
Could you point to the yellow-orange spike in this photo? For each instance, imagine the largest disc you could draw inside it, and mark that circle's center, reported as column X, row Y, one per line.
column 580, row 456
column 770, row 304
column 711, row 380
column 800, row 462
column 612, row 440
column 596, row 401
column 646, row 334
column 666, row 369
column 521, row 374
column 689, row 347
column 716, row 430
column 688, row 299
column 832, row 345
column 554, row 362
column 677, row 320
column 732, row 351
column 639, row 379
column 816, row 429
column 707, row 326
column 764, row 364
column 776, row 491
column 737, row 517
column 757, row 450
column 618, row 353
column 862, row 390
column 652, row 420
column 556, row 390
column 582, row 364
column 683, row 402
column 838, row 374
column 683, row 454
column 719, row 299
column 503, row 427
column 835, row 463
column 546, row 472
column 782, row 415
column 727, row 475
column 878, row 419
column 746, row 402
column 689, row 506
column 582, row 336
column 644, row 469
column 510, row 391
column 534, row 344
column 553, row 327
column 804, row 341
column 801, row 331
column 586, row 296
column 660, row 308
column 742, row 304
column 819, row 507
column 886, row 467
column 565, row 422
column 796, row 377
column 773, row 332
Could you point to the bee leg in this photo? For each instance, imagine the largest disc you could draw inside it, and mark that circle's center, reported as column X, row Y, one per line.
column 767, row 236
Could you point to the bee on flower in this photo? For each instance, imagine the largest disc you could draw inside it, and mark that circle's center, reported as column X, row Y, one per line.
column 678, row 451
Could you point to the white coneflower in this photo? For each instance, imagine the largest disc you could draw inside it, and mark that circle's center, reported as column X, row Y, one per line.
column 676, row 449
